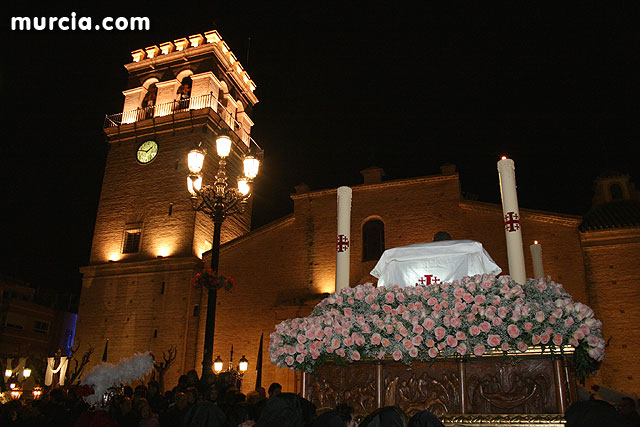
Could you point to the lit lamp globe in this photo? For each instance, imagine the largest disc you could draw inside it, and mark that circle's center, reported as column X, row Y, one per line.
column 217, row 364
column 195, row 161
column 7, row 373
column 26, row 372
column 243, row 365
column 194, row 184
column 223, row 145
column 243, row 186
column 251, row 166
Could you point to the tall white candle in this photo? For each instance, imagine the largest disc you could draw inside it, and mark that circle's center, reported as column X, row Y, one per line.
column 511, row 218
column 536, row 256
column 343, row 239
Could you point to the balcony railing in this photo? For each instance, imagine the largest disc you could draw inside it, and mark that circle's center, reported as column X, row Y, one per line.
column 178, row 106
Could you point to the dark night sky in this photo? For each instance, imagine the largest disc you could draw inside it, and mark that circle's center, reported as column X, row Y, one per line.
column 341, row 87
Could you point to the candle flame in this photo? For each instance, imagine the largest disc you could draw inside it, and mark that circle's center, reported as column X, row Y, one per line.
column 535, row 242
column 504, row 157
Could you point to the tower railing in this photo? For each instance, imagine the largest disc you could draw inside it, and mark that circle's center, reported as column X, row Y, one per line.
column 181, row 105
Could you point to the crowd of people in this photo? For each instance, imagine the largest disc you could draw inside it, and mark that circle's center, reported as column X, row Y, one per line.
column 220, row 403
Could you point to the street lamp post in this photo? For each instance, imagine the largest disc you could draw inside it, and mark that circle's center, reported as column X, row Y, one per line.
column 218, row 201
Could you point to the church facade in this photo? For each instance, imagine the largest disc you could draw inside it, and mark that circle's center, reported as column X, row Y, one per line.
column 148, row 242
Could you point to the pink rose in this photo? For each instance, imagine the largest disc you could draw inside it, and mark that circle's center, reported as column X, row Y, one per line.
column 513, row 331
column 340, row 352
column 386, row 308
column 407, row 344
column 397, row 337
column 474, row 330
column 355, row 355
column 350, row 301
column 335, row 343
column 385, row 342
column 479, row 299
column 485, row 327
column 478, row 350
column 299, row 358
column 540, row 317
column 544, row 338
column 369, row 299
column 471, row 317
column 451, row 341
column 440, row 332
column 528, row 326
column 505, row 346
column 502, row 312
column 535, row 339
column 493, row 340
column 468, row 298
column 400, row 297
column 456, row 322
column 461, row 336
column 490, row 312
column 417, row 340
column 496, row 300
column 462, row 349
column 578, row 334
column 413, row 352
column 433, row 352
column 289, row 360
column 359, row 294
column 417, row 329
column 397, row 355
column 432, row 301
column 375, row 339
column 431, row 343
column 585, row 330
column 497, row 321
column 522, row 346
column 557, row 339
column 302, row 339
column 428, row 323
column 348, row 341
column 486, row 285
column 389, row 298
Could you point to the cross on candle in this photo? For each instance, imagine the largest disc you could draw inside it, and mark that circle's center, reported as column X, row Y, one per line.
column 511, row 221
column 342, row 243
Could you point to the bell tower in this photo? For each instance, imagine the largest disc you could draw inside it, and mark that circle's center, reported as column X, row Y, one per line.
column 148, row 241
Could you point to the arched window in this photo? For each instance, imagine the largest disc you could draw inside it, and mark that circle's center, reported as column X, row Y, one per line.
column 372, row 240
column 616, row 192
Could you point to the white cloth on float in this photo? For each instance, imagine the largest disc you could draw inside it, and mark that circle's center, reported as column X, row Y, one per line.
column 430, row 263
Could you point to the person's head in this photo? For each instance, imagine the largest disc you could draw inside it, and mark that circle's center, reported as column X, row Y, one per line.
column 253, row 397
column 192, row 378
column 126, row 405
column 425, row 419
column 345, row 412
column 275, row 389
column 181, row 400
column 389, row 416
column 144, row 408
column 441, row 236
column 127, row 391
column 626, row 405
column 182, row 381
column 153, row 388
column 140, row 391
column 262, row 393
column 192, row 395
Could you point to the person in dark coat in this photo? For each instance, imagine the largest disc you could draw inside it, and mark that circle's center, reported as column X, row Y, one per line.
column 389, row 416
column 342, row 416
column 592, row 413
column 287, row 410
column 425, row 419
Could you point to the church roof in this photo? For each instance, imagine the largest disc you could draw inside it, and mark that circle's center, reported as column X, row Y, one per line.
column 618, row 214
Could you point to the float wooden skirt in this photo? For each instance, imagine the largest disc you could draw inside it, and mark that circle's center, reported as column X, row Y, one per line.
column 530, row 389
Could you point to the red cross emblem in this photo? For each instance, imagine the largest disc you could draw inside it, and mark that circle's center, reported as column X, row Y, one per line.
column 342, row 244
column 428, row 279
column 511, row 221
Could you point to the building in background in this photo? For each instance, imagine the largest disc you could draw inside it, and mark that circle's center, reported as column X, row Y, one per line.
column 148, row 242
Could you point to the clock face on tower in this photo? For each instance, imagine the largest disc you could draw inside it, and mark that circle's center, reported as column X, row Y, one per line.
column 147, row 151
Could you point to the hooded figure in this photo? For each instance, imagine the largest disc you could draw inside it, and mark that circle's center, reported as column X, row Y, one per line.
column 287, row 410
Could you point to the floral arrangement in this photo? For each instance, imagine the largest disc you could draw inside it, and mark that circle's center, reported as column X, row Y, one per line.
column 471, row 317
column 209, row 279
